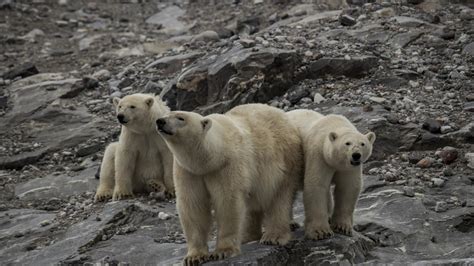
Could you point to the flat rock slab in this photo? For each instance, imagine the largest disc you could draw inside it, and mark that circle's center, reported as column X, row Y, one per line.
column 58, row 186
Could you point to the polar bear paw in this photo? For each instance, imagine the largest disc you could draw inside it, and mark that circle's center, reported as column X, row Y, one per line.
column 222, row 253
column 275, row 238
column 120, row 194
column 156, row 186
column 103, row 194
column 194, row 260
column 344, row 228
column 319, row 232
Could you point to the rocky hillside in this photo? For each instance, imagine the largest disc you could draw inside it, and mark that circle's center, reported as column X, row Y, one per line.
column 402, row 68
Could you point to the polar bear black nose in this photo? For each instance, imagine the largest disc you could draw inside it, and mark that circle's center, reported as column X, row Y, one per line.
column 121, row 118
column 356, row 156
column 160, row 122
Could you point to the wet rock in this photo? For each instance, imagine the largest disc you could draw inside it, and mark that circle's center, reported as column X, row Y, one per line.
column 432, row 125
column 23, row 71
column 353, row 67
column 347, row 20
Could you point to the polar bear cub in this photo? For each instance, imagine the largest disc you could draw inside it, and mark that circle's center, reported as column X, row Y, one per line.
column 334, row 152
column 245, row 165
column 140, row 161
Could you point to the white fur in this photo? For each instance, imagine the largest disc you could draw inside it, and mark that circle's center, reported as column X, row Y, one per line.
column 140, row 161
column 328, row 145
column 245, row 165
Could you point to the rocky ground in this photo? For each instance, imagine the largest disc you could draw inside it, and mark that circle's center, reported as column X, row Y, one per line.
column 403, row 69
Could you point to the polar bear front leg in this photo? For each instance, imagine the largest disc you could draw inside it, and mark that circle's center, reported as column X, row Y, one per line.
column 317, row 182
column 107, row 174
column 125, row 161
column 253, row 226
column 194, row 210
column 167, row 161
column 230, row 212
column 346, row 193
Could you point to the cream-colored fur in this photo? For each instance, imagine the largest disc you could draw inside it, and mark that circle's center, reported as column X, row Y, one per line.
column 245, row 165
column 329, row 146
column 140, row 161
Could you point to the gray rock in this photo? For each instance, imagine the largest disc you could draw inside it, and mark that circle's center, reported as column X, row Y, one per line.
column 402, row 40
column 441, row 206
column 58, row 186
column 169, row 20
column 354, row 67
column 318, row 98
column 206, row 36
column 347, row 20
column 432, row 125
column 469, row 107
column 470, row 159
column 102, row 75
column 23, row 71
column 469, row 49
column 214, row 82
column 438, row 182
column 172, row 64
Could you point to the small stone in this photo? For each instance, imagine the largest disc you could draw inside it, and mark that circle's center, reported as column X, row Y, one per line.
column 23, row 70
column 247, row 43
column 163, row 216
column 45, row 223
column 470, row 159
column 425, row 162
column 378, row 100
column 117, row 94
column 448, row 155
column 102, row 75
column 308, row 54
column 432, row 125
column 441, row 206
column 63, row 2
column 206, row 36
column 437, row 182
column 408, row 191
column 469, row 107
column 391, row 177
column 318, row 98
column 446, row 129
column 448, row 172
column 347, row 20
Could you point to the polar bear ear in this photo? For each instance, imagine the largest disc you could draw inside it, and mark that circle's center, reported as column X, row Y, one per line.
column 371, row 137
column 116, row 101
column 206, row 124
column 149, row 101
column 332, row 136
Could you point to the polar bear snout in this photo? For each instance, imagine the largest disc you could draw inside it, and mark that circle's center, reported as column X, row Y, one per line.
column 121, row 119
column 163, row 127
column 356, row 156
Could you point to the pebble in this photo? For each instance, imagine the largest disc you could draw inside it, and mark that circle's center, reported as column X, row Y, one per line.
column 425, row 162
column 45, row 223
column 437, row 182
column 441, row 206
column 448, row 155
column 408, row 191
column 318, row 98
column 102, row 75
column 206, row 36
column 470, row 159
column 163, row 216
column 378, row 100
column 446, row 129
column 347, row 20
column 432, row 125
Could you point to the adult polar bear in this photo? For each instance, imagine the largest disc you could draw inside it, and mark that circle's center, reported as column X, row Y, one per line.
column 140, row 160
column 246, row 165
column 334, row 151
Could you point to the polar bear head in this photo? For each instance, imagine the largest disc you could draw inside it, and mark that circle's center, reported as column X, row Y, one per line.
column 183, row 126
column 349, row 149
column 137, row 111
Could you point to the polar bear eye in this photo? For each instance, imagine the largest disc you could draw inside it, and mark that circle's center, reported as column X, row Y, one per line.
column 180, row 119
column 132, row 106
column 362, row 144
column 348, row 143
